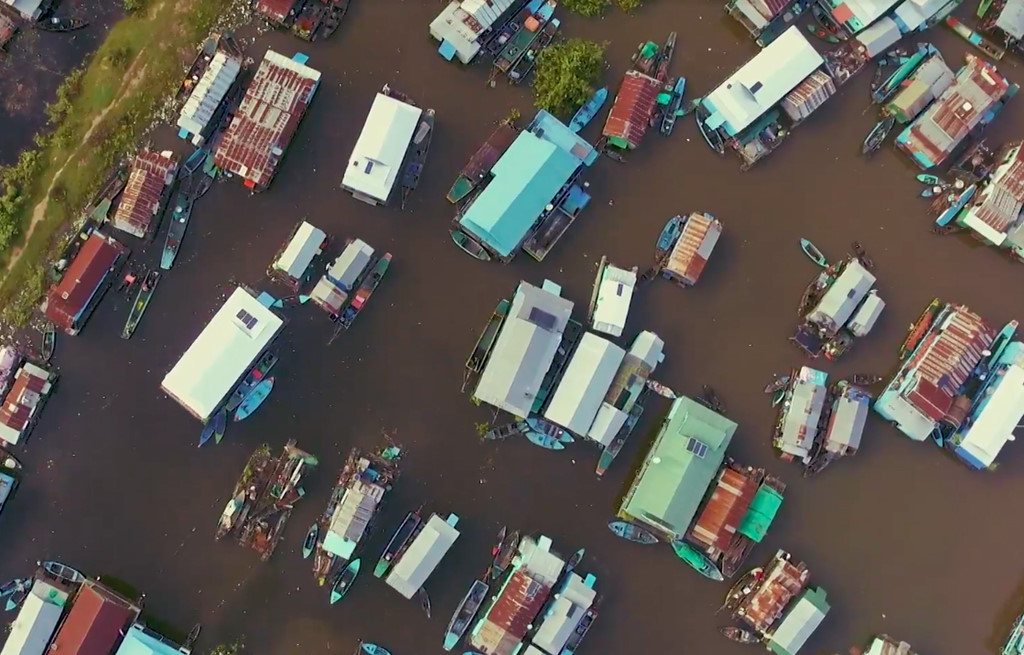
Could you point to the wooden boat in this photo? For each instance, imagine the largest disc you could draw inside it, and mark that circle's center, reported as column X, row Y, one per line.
column 49, row 342
column 501, row 561
column 661, row 389
column 887, row 89
column 176, row 230
column 62, row 572
column 525, row 66
column 478, row 357
column 309, row 543
column 576, row 558
column 612, row 450
column 344, row 581
column 822, row 33
column 954, row 208
column 8, row 588
column 865, row 380
column 195, row 161
column 544, row 440
column 482, row 161
column 711, row 137
column 709, row 398
column 632, row 532
column 418, row 159
column 983, row 7
column 813, row 253
column 373, row 649
column 549, row 429
column 18, row 595
column 141, row 303
column 465, row 613
column 469, row 245
column 55, row 24
column 665, row 57
column 668, row 237
column 739, row 635
column 398, row 542
column 577, row 635
column 589, row 110
column 206, row 434
column 220, row 425
column 919, row 328
column 745, row 586
column 496, row 548
column 205, row 182
column 362, row 295
column 502, row 36
column 255, row 398
column 520, row 43
column 332, row 19
column 1015, row 641
column 778, row 383
column 424, row 601
column 697, row 560
column 192, row 638
column 876, row 137
column 975, row 39
column 929, row 179
column 507, row 430
column 672, row 111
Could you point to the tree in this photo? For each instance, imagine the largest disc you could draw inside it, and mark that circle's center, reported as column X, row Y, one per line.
column 566, row 73
column 234, row 648
column 629, row 5
column 588, row 8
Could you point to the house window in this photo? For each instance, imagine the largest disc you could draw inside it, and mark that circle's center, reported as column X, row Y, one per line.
column 697, row 447
column 543, row 319
column 247, row 319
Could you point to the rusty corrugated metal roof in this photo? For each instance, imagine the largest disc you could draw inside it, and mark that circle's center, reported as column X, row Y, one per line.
column 631, row 114
column 276, row 10
column 765, row 606
column 690, row 254
column 69, row 296
column 725, row 509
column 94, row 624
column 140, row 201
column 17, row 407
column 999, row 204
column 511, row 615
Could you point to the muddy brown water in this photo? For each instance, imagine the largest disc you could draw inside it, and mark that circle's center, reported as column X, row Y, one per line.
column 904, row 539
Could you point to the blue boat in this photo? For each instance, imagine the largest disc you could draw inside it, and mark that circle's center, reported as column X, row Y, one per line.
column 545, row 440
column 195, row 161
column 1015, row 642
column 18, row 594
column 947, row 216
column 668, row 237
column 255, row 398
column 632, row 532
column 373, row 649
column 176, row 230
column 206, row 434
column 887, row 89
column 220, row 424
column 673, row 111
column 9, row 588
column 589, row 109
column 344, row 581
column 549, row 429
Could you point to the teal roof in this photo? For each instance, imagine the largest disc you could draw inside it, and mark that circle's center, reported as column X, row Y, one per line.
column 762, row 512
column 677, row 471
column 140, row 641
column 526, row 179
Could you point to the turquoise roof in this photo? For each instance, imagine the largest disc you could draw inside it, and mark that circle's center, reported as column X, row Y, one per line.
column 526, row 179
column 140, row 641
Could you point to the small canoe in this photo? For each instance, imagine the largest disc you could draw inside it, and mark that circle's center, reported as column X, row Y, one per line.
column 49, row 342
column 142, row 299
column 589, row 109
column 499, row 432
column 398, row 541
column 813, row 253
column 697, row 560
column 576, row 558
column 62, row 572
column 9, row 588
column 220, row 424
column 55, row 24
column 424, row 601
column 632, row 532
column 661, row 389
column 344, row 581
column 929, row 179
column 711, row 135
column 876, row 137
column 496, row 548
column 866, row 380
column 548, row 428
column 207, row 433
column 194, row 161
column 373, row 649
column 779, row 396
column 18, row 595
column 255, row 398
column 779, row 382
column 205, row 183
column 469, row 245
column 739, row 635
column 668, row 237
column 983, row 7
column 545, row 440
column 465, row 613
column 193, row 637
column 309, row 543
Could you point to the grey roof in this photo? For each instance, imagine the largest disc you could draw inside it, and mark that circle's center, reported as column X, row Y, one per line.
column 802, row 415
column 524, row 350
column 800, row 622
column 867, row 315
column 837, row 305
column 207, row 95
column 648, row 347
column 1011, row 18
column 346, row 268
column 579, row 394
column 848, row 419
column 565, row 614
column 422, row 556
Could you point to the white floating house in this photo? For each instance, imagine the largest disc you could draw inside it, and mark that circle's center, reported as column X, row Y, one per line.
column 380, row 150
column 423, row 555
column 331, row 292
column 580, row 392
column 462, row 24
column 36, row 621
column 222, row 354
column 293, row 262
column 613, row 295
column 196, row 119
column 571, row 605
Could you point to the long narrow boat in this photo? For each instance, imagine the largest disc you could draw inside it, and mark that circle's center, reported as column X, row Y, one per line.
column 575, row 560
column 545, row 441
column 344, row 581
column 55, row 24
column 206, row 434
column 372, row 649
column 739, row 635
column 465, row 613
column 577, row 635
column 252, row 378
column 520, row 43
column 975, row 39
column 548, row 428
column 62, row 572
column 877, row 136
column 469, row 245
column 176, row 230
column 712, row 137
column 141, row 303
column 335, row 14
column 9, row 588
column 525, row 66
column 309, row 543
column 255, row 398
column 778, row 384
column 18, row 595
column 632, row 532
column 951, row 212
column 478, row 357
column 482, row 161
column 983, row 7
column 887, row 89
column 420, row 145
column 496, row 43
column 697, row 560
column 195, row 161
column 507, row 430
column 672, row 112
column 398, row 541
column 668, row 237
column 661, row 389
column 589, row 110
column 363, row 293
column 1015, row 641
column 506, row 553
column 813, row 253
column 220, row 425
column 49, row 342
column 665, row 57
column 612, row 450
column 919, row 328
column 743, row 587
column 424, row 601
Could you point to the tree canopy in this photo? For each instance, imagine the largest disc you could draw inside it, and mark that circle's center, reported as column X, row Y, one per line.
column 234, row 648
column 629, row 5
column 566, row 74
column 587, row 7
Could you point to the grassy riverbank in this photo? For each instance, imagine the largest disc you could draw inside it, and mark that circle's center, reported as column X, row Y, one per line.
column 99, row 115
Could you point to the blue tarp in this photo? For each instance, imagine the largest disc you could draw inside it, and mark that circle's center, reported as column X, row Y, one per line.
column 447, row 50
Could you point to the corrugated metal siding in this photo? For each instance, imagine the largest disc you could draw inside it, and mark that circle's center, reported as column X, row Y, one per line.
column 725, row 509
column 512, row 613
column 631, row 114
column 276, row 10
column 691, row 252
column 67, row 298
column 140, row 201
column 93, row 625
column 765, row 606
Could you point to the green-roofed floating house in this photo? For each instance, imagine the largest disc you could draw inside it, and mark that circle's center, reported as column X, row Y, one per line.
column 801, row 620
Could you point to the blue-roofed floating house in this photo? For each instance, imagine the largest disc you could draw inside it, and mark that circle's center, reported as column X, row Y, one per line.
column 532, row 195
column 140, row 640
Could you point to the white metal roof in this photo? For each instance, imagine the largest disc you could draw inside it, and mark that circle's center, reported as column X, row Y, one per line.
column 300, row 251
column 377, row 157
column 649, row 348
column 422, row 556
column 581, row 390
column 867, row 315
column 351, row 517
column 209, row 92
column 615, row 292
column 1001, row 414
column 607, row 424
column 799, row 624
column 868, row 11
column 208, row 371
column 763, row 81
column 565, row 613
column 461, row 23
column 909, row 420
column 33, row 627
column 842, row 298
column 29, row 9
column 1011, row 19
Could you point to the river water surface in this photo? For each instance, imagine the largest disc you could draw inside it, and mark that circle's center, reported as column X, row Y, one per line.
column 905, row 540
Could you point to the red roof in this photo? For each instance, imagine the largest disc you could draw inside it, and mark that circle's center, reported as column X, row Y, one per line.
column 765, row 606
column 94, row 623
column 634, row 105
column 18, row 406
column 266, row 120
column 1000, row 203
column 518, row 606
column 67, row 298
column 276, row 10
column 140, row 202
column 694, row 247
column 725, row 509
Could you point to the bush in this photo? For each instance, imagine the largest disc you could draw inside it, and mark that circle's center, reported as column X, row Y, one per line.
column 566, row 73
column 234, row 648
column 134, row 6
column 587, row 7
column 629, row 5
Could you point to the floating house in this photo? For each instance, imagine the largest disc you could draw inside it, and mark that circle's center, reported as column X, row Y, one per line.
column 848, row 309
column 631, row 113
column 677, row 471
column 524, row 350
column 725, row 509
column 462, row 27
column 693, row 249
column 800, row 417
column 95, row 623
column 613, row 293
column 332, row 291
column 293, row 263
column 70, row 302
column 24, row 401
column 846, row 421
column 857, row 15
column 8, row 483
column 995, row 414
column 886, row 645
column 931, row 79
column 504, row 625
column 37, row 620
column 211, row 368
column 423, row 555
column 356, row 508
column 973, row 100
column 377, row 157
column 279, row 13
column 1005, row 20
column 800, row 622
column 782, row 581
column 30, row 10
column 266, row 120
column 531, row 193
column 145, row 194
column 995, row 214
column 568, row 616
column 140, row 640
column 923, row 391
column 201, row 112
column 580, row 392
column 765, row 19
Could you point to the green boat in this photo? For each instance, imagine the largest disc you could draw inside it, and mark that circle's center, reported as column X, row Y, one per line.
column 474, row 172
column 344, row 581
column 141, row 302
column 983, row 8
column 482, row 349
column 697, row 560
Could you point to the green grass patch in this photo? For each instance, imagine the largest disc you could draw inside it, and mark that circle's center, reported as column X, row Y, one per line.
column 155, row 45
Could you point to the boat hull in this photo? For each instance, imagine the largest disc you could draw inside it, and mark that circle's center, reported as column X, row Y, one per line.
column 632, row 532
column 589, row 110
column 255, row 398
